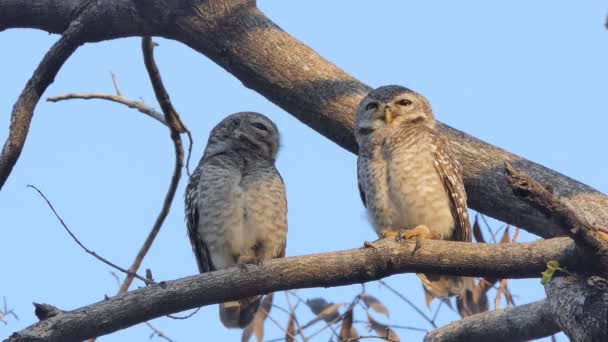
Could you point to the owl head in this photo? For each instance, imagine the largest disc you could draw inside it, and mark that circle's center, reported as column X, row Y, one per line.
column 250, row 131
column 390, row 107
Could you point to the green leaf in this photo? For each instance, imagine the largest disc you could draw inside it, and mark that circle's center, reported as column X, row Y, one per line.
column 546, row 276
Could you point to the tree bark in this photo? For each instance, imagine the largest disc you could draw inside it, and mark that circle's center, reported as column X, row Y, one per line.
column 237, row 36
column 580, row 307
column 520, row 323
column 386, row 257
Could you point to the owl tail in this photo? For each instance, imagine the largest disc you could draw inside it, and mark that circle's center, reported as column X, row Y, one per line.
column 442, row 286
column 239, row 313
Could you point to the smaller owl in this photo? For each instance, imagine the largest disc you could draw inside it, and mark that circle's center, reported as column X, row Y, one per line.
column 236, row 208
column 409, row 180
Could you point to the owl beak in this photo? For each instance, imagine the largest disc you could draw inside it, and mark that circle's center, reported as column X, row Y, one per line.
column 388, row 115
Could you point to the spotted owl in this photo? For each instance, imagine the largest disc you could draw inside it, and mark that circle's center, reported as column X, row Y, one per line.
column 236, row 209
column 409, row 180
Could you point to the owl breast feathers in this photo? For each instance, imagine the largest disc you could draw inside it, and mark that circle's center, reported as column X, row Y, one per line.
column 236, row 208
column 407, row 174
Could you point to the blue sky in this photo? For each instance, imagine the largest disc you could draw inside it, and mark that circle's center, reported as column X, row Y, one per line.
column 529, row 77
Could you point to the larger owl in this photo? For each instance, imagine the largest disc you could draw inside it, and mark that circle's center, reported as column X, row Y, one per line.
column 408, row 178
column 236, row 209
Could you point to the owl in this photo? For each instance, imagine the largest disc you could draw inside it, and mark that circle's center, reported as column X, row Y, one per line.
column 236, row 209
column 409, row 181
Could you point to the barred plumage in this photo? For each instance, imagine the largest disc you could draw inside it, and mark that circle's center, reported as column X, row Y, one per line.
column 407, row 174
column 236, row 208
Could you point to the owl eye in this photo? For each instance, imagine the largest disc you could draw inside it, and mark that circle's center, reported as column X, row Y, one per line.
column 371, row 105
column 404, row 102
column 259, row 126
column 365, row 130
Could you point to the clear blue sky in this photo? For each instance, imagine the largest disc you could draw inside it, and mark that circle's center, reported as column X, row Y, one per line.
column 529, row 77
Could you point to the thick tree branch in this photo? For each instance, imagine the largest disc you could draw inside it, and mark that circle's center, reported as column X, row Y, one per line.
column 319, row 270
column 519, row 323
column 591, row 237
column 580, row 307
column 237, row 36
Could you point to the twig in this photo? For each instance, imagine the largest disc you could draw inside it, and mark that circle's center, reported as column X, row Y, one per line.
column 409, row 302
column 97, row 256
column 396, row 326
column 175, row 127
column 5, row 312
column 158, row 332
column 383, row 338
column 115, row 84
column 292, row 311
column 277, row 323
column 23, row 110
column 139, row 105
column 186, row 316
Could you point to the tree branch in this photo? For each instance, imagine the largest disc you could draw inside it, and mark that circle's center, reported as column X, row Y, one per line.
column 175, row 128
column 238, row 37
column 320, row 270
column 520, row 323
column 140, row 106
column 23, row 109
column 580, row 307
column 592, row 237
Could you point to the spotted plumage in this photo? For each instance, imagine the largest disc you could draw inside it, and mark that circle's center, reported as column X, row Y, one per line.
column 407, row 174
column 236, row 208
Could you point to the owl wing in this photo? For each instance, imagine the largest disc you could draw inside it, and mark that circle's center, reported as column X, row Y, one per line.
column 360, row 178
column 450, row 172
column 199, row 245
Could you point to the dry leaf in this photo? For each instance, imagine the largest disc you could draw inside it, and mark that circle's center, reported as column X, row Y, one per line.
column 324, row 310
column 477, row 230
column 505, row 236
column 348, row 332
column 256, row 327
column 382, row 330
column 501, row 289
column 515, row 235
column 472, row 301
column 291, row 324
column 428, row 298
column 372, row 302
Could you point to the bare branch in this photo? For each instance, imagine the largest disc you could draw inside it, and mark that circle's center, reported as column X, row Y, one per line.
column 94, row 254
column 520, row 323
column 140, row 106
column 175, row 128
column 318, row 270
column 410, row 303
column 23, row 110
column 594, row 237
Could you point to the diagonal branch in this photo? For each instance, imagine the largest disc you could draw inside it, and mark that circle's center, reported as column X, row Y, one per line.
column 129, row 273
column 23, row 110
column 319, row 270
column 594, row 238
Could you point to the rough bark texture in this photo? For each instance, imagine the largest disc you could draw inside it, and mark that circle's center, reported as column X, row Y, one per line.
column 580, row 307
column 237, row 36
column 354, row 266
column 520, row 323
